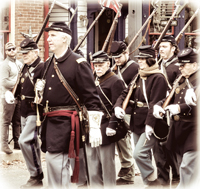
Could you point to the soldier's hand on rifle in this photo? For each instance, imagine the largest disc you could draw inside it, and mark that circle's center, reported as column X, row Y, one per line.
column 119, row 112
column 157, row 110
column 95, row 137
column 110, row 132
column 190, row 97
column 148, row 131
column 174, row 109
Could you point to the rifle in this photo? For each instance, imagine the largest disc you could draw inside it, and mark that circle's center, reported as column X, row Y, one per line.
column 171, row 94
column 72, row 16
column 111, row 32
column 45, row 22
column 167, row 25
column 128, row 96
column 114, row 67
column 180, row 35
column 91, row 26
column 143, row 26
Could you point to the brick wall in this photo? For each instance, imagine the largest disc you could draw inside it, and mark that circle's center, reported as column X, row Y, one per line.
column 29, row 13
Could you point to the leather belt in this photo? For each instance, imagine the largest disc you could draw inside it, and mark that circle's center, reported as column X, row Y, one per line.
column 23, row 97
column 179, row 118
column 51, row 109
column 139, row 104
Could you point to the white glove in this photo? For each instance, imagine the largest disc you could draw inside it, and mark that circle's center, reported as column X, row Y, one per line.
column 110, row 132
column 174, row 109
column 39, row 90
column 39, row 85
column 190, row 97
column 119, row 112
column 157, row 110
column 9, row 97
column 148, row 131
column 95, row 137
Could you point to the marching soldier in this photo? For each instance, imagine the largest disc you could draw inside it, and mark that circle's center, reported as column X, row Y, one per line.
column 28, row 140
column 149, row 86
column 164, row 158
column 10, row 69
column 126, row 69
column 60, row 109
column 102, row 158
column 183, row 136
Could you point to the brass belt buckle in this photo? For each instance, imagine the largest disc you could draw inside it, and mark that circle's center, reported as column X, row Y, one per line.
column 22, row 97
column 176, row 117
column 140, row 104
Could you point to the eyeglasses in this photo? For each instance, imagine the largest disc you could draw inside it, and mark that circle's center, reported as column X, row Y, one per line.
column 11, row 49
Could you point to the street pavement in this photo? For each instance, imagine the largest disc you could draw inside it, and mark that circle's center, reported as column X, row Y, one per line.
column 13, row 171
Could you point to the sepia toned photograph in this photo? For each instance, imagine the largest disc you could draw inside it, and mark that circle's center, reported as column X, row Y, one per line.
column 99, row 94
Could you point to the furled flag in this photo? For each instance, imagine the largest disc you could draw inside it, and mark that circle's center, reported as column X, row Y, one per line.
column 112, row 4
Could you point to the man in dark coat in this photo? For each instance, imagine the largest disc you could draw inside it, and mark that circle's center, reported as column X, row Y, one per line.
column 126, row 69
column 61, row 111
column 28, row 140
column 183, row 136
column 102, row 158
column 164, row 158
column 149, row 86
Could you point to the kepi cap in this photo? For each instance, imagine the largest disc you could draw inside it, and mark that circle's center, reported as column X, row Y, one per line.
column 27, row 45
column 187, row 55
column 169, row 38
column 59, row 26
column 99, row 57
column 9, row 45
column 146, row 51
column 117, row 48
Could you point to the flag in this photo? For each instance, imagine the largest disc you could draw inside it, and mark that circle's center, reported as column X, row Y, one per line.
column 112, row 4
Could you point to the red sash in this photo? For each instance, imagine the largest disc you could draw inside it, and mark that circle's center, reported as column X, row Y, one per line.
column 74, row 125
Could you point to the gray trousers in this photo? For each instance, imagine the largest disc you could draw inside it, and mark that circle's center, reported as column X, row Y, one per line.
column 29, row 145
column 189, row 171
column 10, row 114
column 125, row 152
column 101, row 166
column 142, row 154
column 58, row 170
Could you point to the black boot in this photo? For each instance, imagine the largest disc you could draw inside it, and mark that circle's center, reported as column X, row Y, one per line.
column 16, row 145
column 34, row 182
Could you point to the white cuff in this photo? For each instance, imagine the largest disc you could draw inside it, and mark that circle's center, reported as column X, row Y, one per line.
column 95, row 119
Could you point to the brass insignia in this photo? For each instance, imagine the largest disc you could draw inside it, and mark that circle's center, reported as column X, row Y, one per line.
column 81, row 60
column 22, row 80
column 176, row 117
column 177, row 90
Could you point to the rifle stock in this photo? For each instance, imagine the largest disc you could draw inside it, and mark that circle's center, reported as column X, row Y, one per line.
column 180, row 35
column 111, row 32
column 140, row 30
column 91, row 26
column 45, row 22
column 128, row 96
column 171, row 94
column 166, row 27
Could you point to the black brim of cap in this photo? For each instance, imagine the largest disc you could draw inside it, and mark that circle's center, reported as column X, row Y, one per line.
column 140, row 56
column 179, row 64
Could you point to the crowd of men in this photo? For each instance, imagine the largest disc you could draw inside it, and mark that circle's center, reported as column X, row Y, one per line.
column 83, row 112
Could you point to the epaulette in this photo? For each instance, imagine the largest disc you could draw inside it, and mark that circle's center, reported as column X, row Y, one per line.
column 81, row 60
